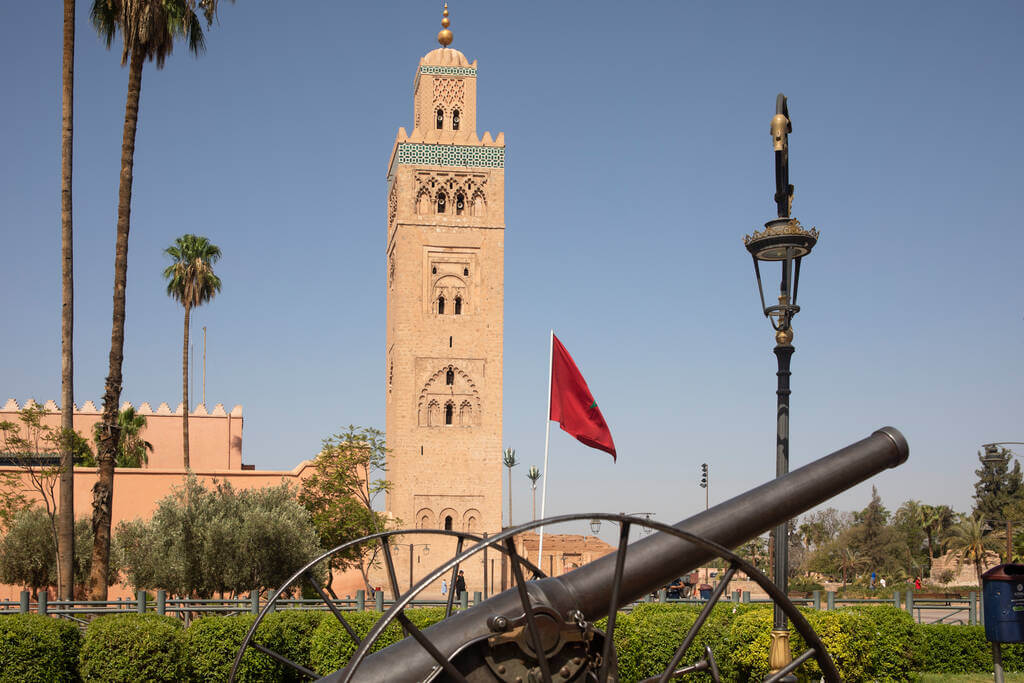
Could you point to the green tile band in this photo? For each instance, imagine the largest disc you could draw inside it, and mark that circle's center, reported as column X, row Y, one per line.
column 448, row 70
column 450, row 155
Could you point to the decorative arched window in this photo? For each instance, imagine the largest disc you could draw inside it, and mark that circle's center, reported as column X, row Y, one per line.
column 448, row 410
column 455, row 120
column 440, row 305
column 440, row 119
column 449, row 377
column 465, row 414
column 448, row 523
column 465, row 271
column 458, row 305
column 441, row 203
column 460, row 204
column 433, row 270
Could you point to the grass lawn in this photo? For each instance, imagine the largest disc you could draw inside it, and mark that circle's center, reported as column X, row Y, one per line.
column 968, row 678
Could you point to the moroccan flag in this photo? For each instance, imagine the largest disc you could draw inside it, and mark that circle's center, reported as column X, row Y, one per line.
column 572, row 405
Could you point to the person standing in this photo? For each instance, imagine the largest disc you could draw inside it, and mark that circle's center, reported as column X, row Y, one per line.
column 460, row 584
column 444, row 587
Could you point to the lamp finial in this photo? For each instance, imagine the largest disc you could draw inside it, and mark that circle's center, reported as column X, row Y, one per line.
column 444, row 36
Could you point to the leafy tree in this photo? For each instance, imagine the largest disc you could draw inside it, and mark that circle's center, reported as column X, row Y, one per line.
column 191, row 282
column 340, row 494
column 908, row 525
column 132, row 449
column 203, row 541
column 33, row 448
column 27, row 557
column 509, row 459
column 970, row 543
column 533, row 474
column 148, row 30
column 999, row 485
column 822, row 526
column 66, row 510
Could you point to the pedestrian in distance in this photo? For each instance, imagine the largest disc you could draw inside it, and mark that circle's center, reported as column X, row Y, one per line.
column 460, row 584
column 444, row 586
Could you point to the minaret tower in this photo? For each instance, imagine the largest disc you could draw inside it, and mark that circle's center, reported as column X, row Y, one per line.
column 445, row 298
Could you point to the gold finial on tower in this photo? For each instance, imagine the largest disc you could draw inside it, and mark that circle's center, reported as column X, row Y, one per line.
column 444, row 36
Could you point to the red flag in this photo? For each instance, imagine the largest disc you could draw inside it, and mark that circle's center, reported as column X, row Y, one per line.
column 572, row 405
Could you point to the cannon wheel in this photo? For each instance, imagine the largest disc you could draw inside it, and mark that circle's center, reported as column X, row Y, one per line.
column 503, row 542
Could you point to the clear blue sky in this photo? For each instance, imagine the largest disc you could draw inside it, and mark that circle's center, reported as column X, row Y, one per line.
column 638, row 157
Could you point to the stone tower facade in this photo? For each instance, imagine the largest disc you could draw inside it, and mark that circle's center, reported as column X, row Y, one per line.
column 445, row 298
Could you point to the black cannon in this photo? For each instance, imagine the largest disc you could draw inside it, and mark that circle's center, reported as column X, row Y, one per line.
column 542, row 629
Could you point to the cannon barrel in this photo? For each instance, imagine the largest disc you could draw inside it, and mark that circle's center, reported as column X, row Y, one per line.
column 650, row 563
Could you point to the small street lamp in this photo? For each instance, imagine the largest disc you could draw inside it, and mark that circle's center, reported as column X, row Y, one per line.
column 786, row 242
column 595, row 524
column 412, row 547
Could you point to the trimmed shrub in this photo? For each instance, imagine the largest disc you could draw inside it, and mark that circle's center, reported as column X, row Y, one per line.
column 647, row 638
column 38, row 648
column 290, row 634
column 954, row 649
column 332, row 647
column 211, row 644
column 895, row 643
column 133, row 647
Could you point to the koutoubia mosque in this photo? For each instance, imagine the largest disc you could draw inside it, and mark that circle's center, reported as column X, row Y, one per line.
column 445, row 299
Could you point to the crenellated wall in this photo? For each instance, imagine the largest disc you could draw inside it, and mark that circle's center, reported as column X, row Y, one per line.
column 215, row 437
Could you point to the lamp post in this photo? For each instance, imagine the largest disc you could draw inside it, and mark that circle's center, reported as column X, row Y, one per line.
column 705, row 483
column 786, row 242
column 412, row 547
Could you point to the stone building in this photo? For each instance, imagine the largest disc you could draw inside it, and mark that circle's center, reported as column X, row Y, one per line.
column 445, row 298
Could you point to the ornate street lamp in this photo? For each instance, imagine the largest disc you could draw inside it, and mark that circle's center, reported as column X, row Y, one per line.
column 786, row 242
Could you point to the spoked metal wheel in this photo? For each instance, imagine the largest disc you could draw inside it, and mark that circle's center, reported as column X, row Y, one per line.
column 385, row 541
column 541, row 630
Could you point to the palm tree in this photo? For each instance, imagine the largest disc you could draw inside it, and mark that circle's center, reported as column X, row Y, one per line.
column 66, row 510
column 509, row 458
column 850, row 562
column 148, row 29
column 970, row 543
column 533, row 475
column 132, row 449
column 191, row 282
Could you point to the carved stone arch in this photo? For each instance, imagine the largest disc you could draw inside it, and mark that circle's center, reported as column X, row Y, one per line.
column 471, row 521
column 425, row 519
column 445, row 515
column 436, row 393
column 423, row 198
column 479, row 203
column 466, row 413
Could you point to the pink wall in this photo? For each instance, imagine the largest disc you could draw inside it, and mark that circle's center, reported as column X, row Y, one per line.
column 137, row 491
column 215, row 437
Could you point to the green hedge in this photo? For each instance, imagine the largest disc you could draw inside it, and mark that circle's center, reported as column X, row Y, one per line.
column 869, row 643
column 133, row 647
column 332, row 646
column 37, row 648
column 211, row 644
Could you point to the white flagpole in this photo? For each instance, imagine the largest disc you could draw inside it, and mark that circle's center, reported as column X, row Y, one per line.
column 547, row 435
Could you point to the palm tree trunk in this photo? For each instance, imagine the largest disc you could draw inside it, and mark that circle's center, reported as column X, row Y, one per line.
column 535, row 502
column 66, row 510
column 103, row 490
column 510, row 496
column 184, row 390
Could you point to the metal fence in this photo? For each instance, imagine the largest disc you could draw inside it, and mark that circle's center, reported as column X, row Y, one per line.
column 924, row 608
column 81, row 610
